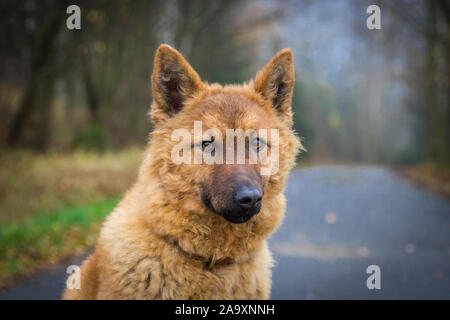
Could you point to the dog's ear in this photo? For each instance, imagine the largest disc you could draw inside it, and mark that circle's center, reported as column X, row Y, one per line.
column 275, row 82
column 173, row 81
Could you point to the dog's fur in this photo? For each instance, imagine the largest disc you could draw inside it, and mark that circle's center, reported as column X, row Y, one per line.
column 162, row 241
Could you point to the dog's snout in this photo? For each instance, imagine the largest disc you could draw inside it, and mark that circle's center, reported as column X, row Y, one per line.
column 236, row 194
column 248, row 198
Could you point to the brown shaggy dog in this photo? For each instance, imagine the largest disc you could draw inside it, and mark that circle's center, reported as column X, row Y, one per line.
column 198, row 231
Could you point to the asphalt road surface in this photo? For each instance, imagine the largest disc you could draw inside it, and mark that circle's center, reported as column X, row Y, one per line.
column 341, row 220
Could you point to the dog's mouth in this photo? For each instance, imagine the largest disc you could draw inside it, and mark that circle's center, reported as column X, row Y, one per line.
column 233, row 216
column 238, row 220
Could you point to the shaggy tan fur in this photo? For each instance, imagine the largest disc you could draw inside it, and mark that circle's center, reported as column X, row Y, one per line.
column 146, row 246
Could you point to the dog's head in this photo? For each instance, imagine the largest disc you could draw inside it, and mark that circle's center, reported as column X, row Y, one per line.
column 222, row 150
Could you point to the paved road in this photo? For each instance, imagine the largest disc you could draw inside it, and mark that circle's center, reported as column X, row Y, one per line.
column 339, row 221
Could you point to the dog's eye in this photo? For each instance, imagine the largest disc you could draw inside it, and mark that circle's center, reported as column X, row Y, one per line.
column 208, row 146
column 258, row 144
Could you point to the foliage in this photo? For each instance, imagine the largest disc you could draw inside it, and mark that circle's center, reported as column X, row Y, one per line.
column 48, row 237
column 431, row 176
column 93, row 138
column 30, row 182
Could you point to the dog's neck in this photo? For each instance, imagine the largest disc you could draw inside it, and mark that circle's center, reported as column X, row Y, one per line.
column 210, row 262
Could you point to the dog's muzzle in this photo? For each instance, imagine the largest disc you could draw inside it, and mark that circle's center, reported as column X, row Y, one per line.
column 243, row 204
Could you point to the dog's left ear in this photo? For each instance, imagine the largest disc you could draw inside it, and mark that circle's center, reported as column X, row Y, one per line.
column 275, row 82
column 173, row 82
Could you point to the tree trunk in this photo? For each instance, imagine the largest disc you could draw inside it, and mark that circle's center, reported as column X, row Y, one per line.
column 41, row 77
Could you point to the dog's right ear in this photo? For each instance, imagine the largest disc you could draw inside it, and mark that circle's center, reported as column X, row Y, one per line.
column 173, row 81
column 275, row 82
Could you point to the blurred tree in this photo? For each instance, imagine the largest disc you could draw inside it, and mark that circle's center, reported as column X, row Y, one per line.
column 361, row 95
column 96, row 80
column 31, row 34
column 425, row 47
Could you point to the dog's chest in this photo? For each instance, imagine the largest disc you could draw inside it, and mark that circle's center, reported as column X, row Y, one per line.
column 150, row 278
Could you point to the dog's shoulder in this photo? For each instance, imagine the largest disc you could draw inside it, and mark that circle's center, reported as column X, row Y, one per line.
column 128, row 257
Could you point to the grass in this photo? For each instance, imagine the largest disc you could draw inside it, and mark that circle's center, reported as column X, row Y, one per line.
column 430, row 176
column 31, row 183
column 52, row 205
column 49, row 237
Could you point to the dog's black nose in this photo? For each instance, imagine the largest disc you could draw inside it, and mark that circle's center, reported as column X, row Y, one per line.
column 248, row 198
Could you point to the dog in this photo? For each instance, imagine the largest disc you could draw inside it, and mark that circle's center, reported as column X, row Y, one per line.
column 199, row 230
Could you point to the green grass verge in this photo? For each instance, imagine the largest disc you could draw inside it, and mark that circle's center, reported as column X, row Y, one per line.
column 48, row 237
